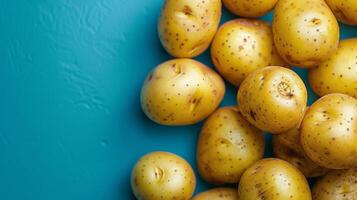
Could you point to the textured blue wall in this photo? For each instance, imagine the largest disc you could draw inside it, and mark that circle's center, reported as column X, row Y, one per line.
column 70, row 76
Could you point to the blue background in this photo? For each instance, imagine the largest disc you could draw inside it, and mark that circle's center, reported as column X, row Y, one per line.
column 71, row 126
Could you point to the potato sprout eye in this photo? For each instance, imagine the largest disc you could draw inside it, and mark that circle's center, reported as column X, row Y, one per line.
column 284, row 89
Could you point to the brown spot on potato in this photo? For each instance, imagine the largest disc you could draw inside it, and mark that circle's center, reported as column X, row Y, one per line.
column 315, row 21
column 252, row 114
column 187, row 10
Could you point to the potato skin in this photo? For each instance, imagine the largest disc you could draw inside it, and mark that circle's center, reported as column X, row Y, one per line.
column 286, row 146
column 273, row 99
column 241, row 46
column 187, row 27
column 249, row 8
column 227, row 146
column 337, row 185
column 305, row 36
column 329, row 131
column 344, row 10
column 181, row 92
column 162, row 175
column 217, row 194
column 338, row 74
column 273, row 179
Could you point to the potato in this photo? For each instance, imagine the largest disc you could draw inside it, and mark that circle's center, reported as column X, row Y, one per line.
column 339, row 73
column 227, row 146
column 329, row 131
column 241, row 46
column 344, row 10
column 249, row 8
column 337, row 185
column 273, row 99
column 181, row 92
column 162, row 175
column 187, row 27
column 217, row 194
column 273, row 179
column 305, row 32
column 286, row 146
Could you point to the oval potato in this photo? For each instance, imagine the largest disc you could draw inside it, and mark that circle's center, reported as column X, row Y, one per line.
column 187, row 27
column 162, row 175
column 273, row 99
column 273, row 179
column 181, row 92
column 338, row 74
column 287, row 146
column 227, row 146
column 217, row 194
column 329, row 131
column 241, row 46
column 249, row 8
column 344, row 10
column 306, row 33
column 336, row 185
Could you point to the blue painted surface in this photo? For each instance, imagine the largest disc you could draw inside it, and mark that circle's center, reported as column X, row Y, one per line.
column 70, row 76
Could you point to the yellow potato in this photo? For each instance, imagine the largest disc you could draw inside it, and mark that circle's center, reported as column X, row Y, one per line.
column 241, row 46
column 249, row 8
column 337, row 185
column 329, row 132
column 287, row 147
column 162, row 175
column 306, row 33
column 273, row 179
column 181, row 92
column 338, row 73
column 273, row 99
column 217, row 194
column 344, row 10
column 187, row 27
column 227, row 146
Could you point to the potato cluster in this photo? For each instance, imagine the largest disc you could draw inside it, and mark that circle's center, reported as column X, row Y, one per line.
column 252, row 55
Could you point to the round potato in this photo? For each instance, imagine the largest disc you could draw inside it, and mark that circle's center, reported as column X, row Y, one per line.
column 273, row 99
column 217, row 194
column 241, row 46
column 306, row 33
column 337, row 185
column 329, row 132
column 227, row 146
column 338, row 74
column 181, row 92
column 187, row 27
column 249, row 8
column 344, row 10
column 273, row 179
column 286, row 146
column 162, row 175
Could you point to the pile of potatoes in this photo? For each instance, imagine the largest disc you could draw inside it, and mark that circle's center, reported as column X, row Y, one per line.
column 256, row 57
